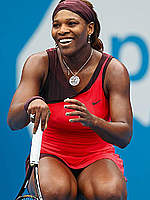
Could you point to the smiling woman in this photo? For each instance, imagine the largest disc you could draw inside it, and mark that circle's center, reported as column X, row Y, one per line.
column 74, row 89
column 70, row 32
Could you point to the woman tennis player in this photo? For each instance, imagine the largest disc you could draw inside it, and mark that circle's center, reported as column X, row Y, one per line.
column 82, row 96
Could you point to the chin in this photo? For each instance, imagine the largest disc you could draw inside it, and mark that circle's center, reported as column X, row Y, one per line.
column 67, row 51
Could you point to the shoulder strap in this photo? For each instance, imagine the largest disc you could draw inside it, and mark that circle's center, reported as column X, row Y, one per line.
column 109, row 58
column 51, row 61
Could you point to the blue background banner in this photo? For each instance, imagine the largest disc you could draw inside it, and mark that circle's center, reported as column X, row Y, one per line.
column 19, row 21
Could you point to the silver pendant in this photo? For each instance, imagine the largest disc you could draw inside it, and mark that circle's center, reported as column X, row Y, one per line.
column 74, row 80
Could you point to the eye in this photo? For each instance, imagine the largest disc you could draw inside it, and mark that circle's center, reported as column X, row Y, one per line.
column 72, row 23
column 56, row 25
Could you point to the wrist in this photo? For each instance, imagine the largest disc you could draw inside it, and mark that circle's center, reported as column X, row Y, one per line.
column 26, row 105
column 93, row 122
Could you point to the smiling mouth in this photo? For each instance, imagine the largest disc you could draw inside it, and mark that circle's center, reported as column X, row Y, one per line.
column 65, row 41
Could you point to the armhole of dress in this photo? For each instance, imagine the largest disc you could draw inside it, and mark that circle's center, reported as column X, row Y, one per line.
column 104, row 72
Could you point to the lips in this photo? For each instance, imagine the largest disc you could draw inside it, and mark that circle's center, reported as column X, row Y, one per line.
column 65, row 41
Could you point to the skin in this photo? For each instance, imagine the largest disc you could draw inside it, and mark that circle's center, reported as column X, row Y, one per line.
column 101, row 180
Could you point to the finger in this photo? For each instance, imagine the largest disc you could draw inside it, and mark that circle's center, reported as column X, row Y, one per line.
column 75, row 120
column 44, row 119
column 78, row 121
column 31, row 112
column 75, row 101
column 48, row 115
column 76, row 113
column 75, row 107
column 36, row 122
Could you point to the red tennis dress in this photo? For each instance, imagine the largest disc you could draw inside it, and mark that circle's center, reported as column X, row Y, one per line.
column 78, row 146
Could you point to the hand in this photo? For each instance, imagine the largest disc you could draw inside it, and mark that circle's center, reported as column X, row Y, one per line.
column 85, row 117
column 40, row 110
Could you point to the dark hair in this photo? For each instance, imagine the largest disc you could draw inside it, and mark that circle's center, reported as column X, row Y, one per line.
column 96, row 43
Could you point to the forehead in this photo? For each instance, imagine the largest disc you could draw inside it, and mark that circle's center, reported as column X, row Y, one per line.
column 67, row 14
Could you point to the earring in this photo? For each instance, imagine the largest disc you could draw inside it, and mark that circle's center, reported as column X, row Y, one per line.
column 89, row 39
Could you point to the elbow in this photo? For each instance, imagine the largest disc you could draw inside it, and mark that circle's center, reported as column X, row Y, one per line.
column 12, row 129
column 126, row 140
column 14, row 125
column 9, row 121
column 123, row 145
column 10, row 124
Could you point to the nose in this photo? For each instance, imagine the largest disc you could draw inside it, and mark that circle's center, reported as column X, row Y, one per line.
column 63, row 29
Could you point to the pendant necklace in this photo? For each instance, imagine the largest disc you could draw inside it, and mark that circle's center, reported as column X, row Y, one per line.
column 75, row 80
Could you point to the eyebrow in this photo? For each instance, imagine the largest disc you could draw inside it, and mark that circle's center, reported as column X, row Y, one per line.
column 66, row 19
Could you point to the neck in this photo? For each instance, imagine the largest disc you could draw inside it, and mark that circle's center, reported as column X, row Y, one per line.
column 78, row 59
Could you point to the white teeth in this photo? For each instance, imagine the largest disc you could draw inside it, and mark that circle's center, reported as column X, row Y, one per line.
column 65, row 40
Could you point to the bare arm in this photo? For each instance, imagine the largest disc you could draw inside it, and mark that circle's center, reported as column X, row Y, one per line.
column 117, row 87
column 33, row 75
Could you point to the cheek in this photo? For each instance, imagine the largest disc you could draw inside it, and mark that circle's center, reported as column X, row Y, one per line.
column 53, row 33
column 83, row 36
column 83, row 32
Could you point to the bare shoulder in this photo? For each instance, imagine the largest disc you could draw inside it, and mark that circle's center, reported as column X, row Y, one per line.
column 117, row 75
column 116, row 70
column 36, row 65
column 38, row 59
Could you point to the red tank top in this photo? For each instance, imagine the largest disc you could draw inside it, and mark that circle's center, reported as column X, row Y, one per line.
column 77, row 145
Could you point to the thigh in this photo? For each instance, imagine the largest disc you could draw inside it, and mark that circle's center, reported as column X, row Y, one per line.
column 102, row 180
column 56, row 180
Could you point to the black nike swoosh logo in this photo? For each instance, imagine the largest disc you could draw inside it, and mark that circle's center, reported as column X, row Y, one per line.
column 94, row 103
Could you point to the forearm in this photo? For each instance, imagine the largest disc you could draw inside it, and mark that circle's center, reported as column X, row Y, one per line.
column 17, row 117
column 116, row 133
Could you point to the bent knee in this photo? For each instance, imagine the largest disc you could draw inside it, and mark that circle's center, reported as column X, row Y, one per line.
column 113, row 190
column 109, row 191
column 57, row 189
